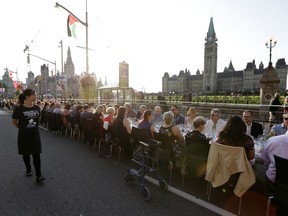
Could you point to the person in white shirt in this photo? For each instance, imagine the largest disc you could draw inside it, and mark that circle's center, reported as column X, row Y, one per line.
column 214, row 125
column 277, row 145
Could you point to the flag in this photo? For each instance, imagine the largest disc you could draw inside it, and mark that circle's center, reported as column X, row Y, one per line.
column 15, row 84
column 71, row 26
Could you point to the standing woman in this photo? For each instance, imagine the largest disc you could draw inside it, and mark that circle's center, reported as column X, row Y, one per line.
column 26, row 118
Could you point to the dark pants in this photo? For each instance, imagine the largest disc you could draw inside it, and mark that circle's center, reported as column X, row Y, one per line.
column 36, row 163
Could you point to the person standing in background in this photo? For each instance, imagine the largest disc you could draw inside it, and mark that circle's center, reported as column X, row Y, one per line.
column 279, row 129
column 274, row 108
column 26, row 118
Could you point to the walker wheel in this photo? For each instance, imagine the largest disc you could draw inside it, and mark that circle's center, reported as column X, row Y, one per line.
column 145, row 193
column 163, row 184
column 129, row 178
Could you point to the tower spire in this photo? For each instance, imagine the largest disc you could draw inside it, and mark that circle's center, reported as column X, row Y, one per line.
column 210, row 60
column 211, row 35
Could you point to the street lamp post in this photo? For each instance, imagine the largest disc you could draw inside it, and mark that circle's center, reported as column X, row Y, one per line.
column 270, row 44
column 62, row 70
column 61, row 45
column 83, row 23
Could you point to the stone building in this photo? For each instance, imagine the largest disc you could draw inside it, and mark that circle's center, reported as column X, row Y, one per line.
column 60, row 85
column 227, row 81
column 71, row 82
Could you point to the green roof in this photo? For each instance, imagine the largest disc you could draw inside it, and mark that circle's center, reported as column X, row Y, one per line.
column 211, row 31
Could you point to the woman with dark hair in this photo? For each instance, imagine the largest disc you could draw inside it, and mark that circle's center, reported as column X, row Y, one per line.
column 146, row 123
column 65, row 115
column 98, row 121
column 21, row 99
column 75, row 115
column 234, row 134
column 275, row 108
column 44, row 113
column 26, row 118
column 123, row 127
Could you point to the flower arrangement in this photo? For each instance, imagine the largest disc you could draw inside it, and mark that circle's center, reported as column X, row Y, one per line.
column 87, row 80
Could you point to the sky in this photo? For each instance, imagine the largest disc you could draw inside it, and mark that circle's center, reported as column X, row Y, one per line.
column 152, row 36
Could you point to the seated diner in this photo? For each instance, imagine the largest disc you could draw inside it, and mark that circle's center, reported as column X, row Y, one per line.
column 170, row 130
column 234, row 134
column 146, row 123
column 199, row 125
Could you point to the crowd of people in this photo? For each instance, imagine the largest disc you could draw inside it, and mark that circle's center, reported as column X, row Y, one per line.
column 235, row 131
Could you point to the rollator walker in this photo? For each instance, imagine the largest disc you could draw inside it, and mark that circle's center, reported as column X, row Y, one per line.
column 144, row 161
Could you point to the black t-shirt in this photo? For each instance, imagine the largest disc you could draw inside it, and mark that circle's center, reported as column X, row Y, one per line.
column 29, row 141
column 28, row 118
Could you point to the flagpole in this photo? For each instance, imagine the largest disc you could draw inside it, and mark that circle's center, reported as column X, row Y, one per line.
column 87, row 58
column 61, row 45
column 83, row 23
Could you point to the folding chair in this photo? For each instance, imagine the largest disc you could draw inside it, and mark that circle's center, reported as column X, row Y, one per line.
column 139, row 134
column 280, row 189
column 225, row 161
column 165, row 150
column 115, row 141
column 194, row 157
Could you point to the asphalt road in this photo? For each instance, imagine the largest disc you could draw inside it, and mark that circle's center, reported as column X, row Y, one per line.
column 78, row 182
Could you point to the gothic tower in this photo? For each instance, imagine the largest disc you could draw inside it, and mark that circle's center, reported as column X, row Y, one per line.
column 210, row 60
column 69, row 69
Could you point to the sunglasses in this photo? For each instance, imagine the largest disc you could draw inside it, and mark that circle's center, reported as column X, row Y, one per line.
column 285, row 119
column 173, row 109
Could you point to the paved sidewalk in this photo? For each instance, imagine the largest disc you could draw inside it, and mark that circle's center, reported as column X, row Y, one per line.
column 78, row 182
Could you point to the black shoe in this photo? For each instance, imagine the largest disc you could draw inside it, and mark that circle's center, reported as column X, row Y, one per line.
column 40, row 179
column 28, row 173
